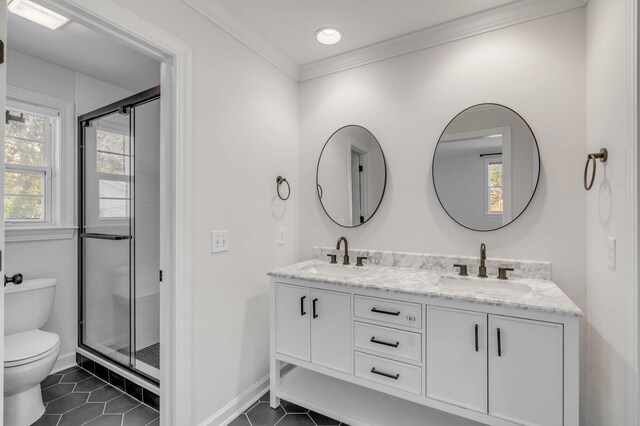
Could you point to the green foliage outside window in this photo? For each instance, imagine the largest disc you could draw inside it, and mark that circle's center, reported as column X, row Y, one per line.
column 24, row 188
column 496, row 203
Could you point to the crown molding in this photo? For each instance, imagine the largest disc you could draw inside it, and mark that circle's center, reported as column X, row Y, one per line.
column 245, row 35
column 479, row 23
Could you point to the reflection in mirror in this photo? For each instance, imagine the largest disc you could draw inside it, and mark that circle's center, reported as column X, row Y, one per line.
column 351, row 176
column 486, row 167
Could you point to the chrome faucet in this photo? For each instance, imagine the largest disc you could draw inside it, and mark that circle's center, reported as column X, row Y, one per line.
column 346, row 249
column 482, row 269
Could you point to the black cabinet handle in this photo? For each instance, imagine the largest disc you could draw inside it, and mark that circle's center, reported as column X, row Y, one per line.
column 499, row 344
column 314, row 308
column 477, row 338
column 380, row 342
column 380, row 373
column 378, row 311
column 302, row 312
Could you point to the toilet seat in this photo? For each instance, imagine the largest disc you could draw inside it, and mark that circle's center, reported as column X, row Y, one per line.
column 28, row 346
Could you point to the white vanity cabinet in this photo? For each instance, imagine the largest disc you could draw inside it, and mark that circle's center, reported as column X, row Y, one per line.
column 314, row 326
column 526, row 371
column 457, row 357
column 381, row 358
column 293, row 321
column 331, row 330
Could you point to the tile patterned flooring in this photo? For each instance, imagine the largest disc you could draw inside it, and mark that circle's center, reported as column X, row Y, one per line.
column 287, row 414
column 74, row 397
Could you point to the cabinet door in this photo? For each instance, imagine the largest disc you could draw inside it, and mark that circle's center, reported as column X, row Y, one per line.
column 331, row 330
column 293, row 328
column 525, row 371
column 457, row 357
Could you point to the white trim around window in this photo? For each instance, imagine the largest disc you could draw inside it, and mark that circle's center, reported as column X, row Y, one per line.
column 60, row 224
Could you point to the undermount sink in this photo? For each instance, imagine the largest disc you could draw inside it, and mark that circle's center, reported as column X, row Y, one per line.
column 335, row 270
column 484, row 286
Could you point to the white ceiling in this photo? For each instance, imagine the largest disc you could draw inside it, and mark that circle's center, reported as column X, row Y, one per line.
column 290, row 25
column 283, row 31
column 81, row 49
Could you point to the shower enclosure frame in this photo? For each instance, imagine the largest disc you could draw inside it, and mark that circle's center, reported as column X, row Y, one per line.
column 138, row 99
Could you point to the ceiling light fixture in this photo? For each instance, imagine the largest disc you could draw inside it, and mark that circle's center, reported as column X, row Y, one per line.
column 38, row 14
column 328, row 35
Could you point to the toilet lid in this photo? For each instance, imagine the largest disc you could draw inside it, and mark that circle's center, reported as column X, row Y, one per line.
column 27, row 345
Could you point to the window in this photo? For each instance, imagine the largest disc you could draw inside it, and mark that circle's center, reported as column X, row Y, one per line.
column 495, row 201
column 29, row 136
column 113, row 166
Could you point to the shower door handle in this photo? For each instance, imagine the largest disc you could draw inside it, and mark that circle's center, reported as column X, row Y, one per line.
column 106, row 236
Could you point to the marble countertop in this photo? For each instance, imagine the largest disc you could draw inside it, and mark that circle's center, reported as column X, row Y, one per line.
column 538, row 295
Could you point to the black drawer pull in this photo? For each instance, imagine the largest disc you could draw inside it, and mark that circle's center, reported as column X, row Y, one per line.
column 477, row 338
column 302, row 312
column 380, row 373
column 378, row 311
column 499, row 344
column 380, row 342
column 314, row 308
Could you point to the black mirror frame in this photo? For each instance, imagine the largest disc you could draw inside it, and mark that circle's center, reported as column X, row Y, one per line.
column 433, row 161
column 319, row 188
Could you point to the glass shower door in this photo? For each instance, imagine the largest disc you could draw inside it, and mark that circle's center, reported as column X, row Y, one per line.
column 107, row 268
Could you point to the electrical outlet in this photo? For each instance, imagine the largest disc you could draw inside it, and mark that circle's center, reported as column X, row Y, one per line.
column 282, row 236
column 219, row 241
column 612, row 253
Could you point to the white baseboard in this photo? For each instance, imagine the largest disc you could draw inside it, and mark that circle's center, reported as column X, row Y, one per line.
column 229, row 412
column 65, row 361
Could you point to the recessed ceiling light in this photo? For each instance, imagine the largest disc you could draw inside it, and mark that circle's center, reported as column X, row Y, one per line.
column 328, row 35
column 38, row 14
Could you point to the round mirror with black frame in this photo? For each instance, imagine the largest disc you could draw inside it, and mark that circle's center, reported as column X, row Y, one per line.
column 351, row 176
column 486, row 167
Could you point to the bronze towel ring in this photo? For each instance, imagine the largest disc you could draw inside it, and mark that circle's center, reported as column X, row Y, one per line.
column 603, row 156
column 279, row 181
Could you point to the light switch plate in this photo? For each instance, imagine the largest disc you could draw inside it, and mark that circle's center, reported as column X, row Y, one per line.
column 282, row 236
column 612, row 253
column 219, row 241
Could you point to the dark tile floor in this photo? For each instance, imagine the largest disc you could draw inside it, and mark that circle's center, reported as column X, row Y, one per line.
column 74, row 397
column 288, row 414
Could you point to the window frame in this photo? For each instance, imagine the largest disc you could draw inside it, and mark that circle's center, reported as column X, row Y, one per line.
column 50, row 141
column 488, row 161
column 60, row 183
column 127, row 177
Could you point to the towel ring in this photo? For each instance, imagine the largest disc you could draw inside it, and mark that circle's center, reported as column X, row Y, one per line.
column 603, row 156
column 279, row 181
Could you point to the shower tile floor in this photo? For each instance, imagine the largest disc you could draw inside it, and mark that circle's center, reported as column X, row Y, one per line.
column 150, row 355
column 287, row 414
column 74, row 397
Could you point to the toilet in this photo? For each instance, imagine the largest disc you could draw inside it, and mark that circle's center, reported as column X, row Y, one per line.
column 30, row 353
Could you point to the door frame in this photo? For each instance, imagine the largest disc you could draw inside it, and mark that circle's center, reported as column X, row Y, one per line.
column 113, row 20
column 632, row 214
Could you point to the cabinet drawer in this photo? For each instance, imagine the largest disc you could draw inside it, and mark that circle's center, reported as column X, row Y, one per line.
column 389, row 311
column 389, row 341
column 390, row 373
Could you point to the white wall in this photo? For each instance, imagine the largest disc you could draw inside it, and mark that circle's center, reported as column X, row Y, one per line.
column 56, row 258
column 536, row 68
column 609, row 291
column 245, row 133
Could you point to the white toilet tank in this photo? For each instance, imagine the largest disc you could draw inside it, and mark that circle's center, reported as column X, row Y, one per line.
column 27, row 306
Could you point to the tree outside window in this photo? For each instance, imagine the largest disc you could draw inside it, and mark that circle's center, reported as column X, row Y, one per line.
column 495, row 191
column 27, row 166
